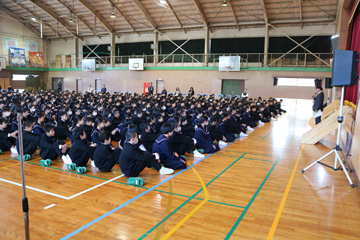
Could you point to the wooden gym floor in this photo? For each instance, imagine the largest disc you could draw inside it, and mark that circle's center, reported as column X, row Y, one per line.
column 251, row 189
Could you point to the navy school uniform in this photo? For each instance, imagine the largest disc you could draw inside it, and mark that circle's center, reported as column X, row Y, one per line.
column 247, row 120
column 49, row 147
column 80, row 152
column 133, row 161
column 62, row 129
column 204, row 141
column 215, row 133
column 148, row 140
column 95, row 136
column 38, row 129
column 105, row 158
column 230, row 137
column 88, row 131
column 161, row 146
column 6, row 142
column 181, row 144
column 31, row 142
column 14, row 125
column 153, row 129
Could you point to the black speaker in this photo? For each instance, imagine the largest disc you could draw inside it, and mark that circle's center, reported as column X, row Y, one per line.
column 275, row 81
column 328, row 83
column 345, row 68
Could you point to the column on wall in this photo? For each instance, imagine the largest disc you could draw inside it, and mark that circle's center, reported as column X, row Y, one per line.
column 206, row 50
column 266, row 45
column 112, row 52
column 76, row 55
column 155, row 47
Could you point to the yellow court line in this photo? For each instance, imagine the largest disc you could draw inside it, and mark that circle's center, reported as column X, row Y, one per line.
column 10, row 165
column 168, row 210
column 283, row 200
column 193, row 211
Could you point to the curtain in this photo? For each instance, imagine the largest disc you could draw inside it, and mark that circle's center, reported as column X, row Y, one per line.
column 354, row 33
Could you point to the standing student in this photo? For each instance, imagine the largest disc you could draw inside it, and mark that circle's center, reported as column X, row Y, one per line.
column 81, row 150
column 245, row 94
column 103, row 89
column 164, row 92
column 59, row 86
column 161, row 146
column 177, row 92
column 31, row 141
column 52, row 147
column 191, row 92
column 133, row 161
column 318, row 103
column 105, row 156
column 151, row 89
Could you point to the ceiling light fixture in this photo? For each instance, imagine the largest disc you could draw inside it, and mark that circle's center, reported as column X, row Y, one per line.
column 224, row 4
column 112, row 12
column 71, row 17
column 34, row 19
column 163, row 2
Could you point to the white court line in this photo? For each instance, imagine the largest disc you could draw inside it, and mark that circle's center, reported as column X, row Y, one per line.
column 35, row 189
column 59, row 196
column 92, row 188
column 51, row 205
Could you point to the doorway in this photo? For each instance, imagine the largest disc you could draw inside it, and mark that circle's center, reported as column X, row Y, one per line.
column 160, row 84
column 55, row 81
column 232, row 87
column 78, row 84
column 97, row 84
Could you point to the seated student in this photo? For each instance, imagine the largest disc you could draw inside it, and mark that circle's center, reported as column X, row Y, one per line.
column 151, row 120
column 78, row 122
column 164, row 92
column 161, row 146
column 52, row 147
column 202, row 136
column 81, row 150
column 98, row 128
column 186, row 128
column 214, row 131
column 224, row 128
column 115, row 122
column 7, row 137
column 147, row 137
column 246, row 117
column 38, row 127
column 105, row 156
column 262, row 115
column 255, row 115
column 88, row 126
column 159, row 122
column 133, row 161
column 182, row 144
column 273, row 109
column 63, row 128
column 31, row 141
column 278, row 107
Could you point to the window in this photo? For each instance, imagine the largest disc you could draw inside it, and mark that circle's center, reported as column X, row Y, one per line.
column 22, row 77
column 296, row 82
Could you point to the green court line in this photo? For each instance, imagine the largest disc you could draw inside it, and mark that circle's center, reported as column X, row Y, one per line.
column 248, row 153
column 180, row 195
column 192, row 197
column 5, row 159
column 266, row 135
column 264, row 160
column 249, row 204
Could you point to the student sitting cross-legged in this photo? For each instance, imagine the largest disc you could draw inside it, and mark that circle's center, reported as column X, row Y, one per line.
column 81, row 150
column 161, row 146
column 31, row 141
column 133, row 161
column 51, row 147
column 7, row 137
column 105, row 155
column 203, row 138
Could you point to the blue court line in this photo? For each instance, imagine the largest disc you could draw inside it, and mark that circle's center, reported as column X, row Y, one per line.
column 266, row 135
column 249, row 204
column 292, row 137
column 135, row 198
column 192, row 197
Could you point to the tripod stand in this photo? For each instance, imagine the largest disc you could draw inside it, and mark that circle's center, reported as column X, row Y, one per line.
column 337, row 148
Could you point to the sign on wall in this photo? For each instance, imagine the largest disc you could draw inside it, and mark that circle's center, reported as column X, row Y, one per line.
column 17, row 57
column 10, row 43
column 36, row 59
column 31, row 46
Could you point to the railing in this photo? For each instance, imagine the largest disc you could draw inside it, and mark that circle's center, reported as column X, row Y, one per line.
column 305, row 60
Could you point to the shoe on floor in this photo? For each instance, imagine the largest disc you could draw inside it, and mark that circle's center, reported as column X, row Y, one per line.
column 243, row 134
column 13, row 150
column 166, row 171
column 222, row 143
column 261, row 123
column 93, row 163
column 249, row 128
column 198, row 155
column 274, row 119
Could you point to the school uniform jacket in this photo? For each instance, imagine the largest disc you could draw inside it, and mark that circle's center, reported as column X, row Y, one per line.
column 203, row 138
column 62, row 129
column 49, row 146
column 38, row 129
column 103, row 157
column 31, row 142
column 5, row 142
column 80, row 152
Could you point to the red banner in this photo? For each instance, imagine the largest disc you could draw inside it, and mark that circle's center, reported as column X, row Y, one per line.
column 146, row 87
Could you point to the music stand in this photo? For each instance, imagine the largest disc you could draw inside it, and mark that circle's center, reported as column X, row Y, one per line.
column 337, row 148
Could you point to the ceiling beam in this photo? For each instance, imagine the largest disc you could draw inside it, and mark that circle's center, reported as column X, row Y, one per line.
column 175, row 15
column 35, row 15
column 118, row 9
column 202, row 13
column 264, row 11
column 73, row 11
column 97, row 15
column 233, row 13
column 54, row 15
column 146, row 14
column 20, row 20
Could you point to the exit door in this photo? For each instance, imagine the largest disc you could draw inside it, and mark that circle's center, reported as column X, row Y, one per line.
column 97, row 84
column 232, row 87
column 78, row 84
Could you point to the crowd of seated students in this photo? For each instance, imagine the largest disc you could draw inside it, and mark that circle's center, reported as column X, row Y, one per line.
column 153, row 131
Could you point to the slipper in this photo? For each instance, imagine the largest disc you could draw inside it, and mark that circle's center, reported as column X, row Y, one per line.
column 71, row 166
column 0, row 151
column 80, row 170
column 137, row 181
column 237, row 136
column 26, row 157
column 46, row 162
column 201, row 151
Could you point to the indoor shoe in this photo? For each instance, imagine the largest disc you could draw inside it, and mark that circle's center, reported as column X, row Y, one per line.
column 13, row 150
column 142, row 148
column 166, row 171
column 249, row 128
column 243, row 134
column 261, row 123
column 198, row 155
column 222, row 143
